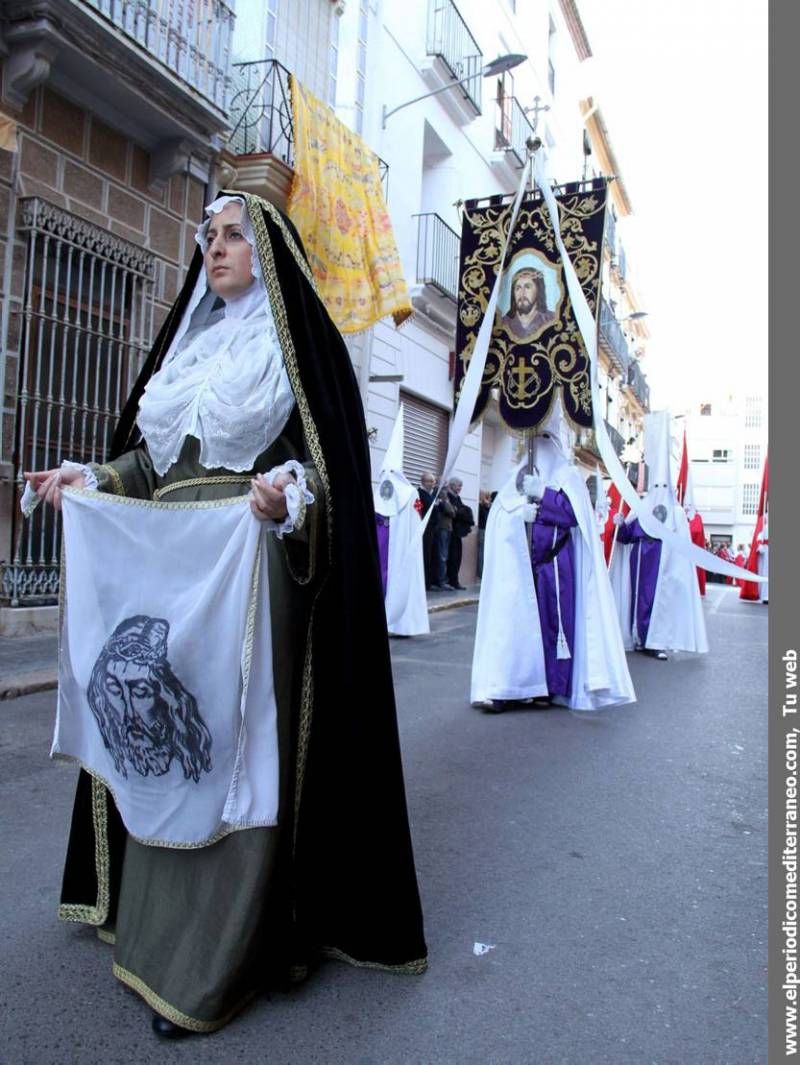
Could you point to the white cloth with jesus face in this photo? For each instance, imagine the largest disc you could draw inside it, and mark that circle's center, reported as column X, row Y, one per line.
column 165, row 675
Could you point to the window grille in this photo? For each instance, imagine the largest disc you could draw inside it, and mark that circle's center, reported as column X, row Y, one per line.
column 752, row 456
column 750, row 498
column 88, row 324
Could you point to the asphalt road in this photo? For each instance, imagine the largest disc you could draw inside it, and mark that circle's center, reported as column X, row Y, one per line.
column 616, row 864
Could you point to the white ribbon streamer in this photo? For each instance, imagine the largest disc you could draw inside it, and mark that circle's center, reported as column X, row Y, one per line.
column 471, row 385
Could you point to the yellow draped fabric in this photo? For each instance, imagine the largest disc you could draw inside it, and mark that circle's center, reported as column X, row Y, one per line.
column 337, row 204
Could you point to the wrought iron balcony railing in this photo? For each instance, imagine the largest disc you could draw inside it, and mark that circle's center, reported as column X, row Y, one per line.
column 587, row 439
column 261, row 114
column 637, row 383
column 616, row 438
column 192, row 38
column 450, row 39
column 512, row 129
column 612, row 336
column 437, row 255
column 261, row 111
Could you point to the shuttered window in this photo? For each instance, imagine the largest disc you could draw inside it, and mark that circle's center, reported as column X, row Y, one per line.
column 424, row 438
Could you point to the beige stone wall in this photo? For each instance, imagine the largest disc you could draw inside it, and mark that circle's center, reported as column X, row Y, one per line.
column 70, row 158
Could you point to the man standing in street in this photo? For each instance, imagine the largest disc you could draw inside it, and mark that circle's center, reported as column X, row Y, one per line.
column 427, row 497
column 463, row 521
column 443, row 516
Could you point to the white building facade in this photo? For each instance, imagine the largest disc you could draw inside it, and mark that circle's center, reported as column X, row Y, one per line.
column 727, row 442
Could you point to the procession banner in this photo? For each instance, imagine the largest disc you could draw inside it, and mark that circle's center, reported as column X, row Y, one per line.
column 536, row 348
column 165, row 667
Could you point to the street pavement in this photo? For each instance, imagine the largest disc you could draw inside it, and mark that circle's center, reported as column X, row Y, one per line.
column 614, row 862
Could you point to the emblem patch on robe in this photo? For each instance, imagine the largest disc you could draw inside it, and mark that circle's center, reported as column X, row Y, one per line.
column 145, row 715
column 536, row 348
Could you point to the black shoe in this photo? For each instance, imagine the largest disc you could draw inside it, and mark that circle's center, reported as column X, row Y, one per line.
column 460, row 587
column 496, row 706
column 165, row 1029
column 660, row 655
column 448, row 588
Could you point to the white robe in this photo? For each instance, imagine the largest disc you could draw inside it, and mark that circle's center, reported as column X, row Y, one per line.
column 406, row 600
column 508, row 661
column 677, row 622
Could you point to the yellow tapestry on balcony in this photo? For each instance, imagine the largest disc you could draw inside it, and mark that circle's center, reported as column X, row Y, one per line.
column 337, row 204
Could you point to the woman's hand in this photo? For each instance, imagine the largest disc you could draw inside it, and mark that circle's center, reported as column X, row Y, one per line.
column 47, row 484
column 268, row 502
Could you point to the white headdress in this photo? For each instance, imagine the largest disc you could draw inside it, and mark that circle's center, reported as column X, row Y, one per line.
column 223, row 379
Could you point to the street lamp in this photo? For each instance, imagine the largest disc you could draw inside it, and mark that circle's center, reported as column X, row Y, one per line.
column 491, row 70
column 633, row 317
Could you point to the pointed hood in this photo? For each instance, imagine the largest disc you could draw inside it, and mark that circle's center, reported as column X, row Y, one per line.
column 657, row 447
column 394, row 489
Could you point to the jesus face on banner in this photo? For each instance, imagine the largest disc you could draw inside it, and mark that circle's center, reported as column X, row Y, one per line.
column 530, row 298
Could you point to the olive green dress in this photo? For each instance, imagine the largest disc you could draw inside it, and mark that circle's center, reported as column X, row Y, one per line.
column 199, row 932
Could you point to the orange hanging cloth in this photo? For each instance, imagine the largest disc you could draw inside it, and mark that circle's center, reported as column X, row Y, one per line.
column 336, row 202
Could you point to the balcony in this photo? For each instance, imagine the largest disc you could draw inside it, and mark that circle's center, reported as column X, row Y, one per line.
column 587, row 441
column 436, row 291
column 616, row 438
column 261, row 143
column 511, row 131
column 455, row 55
column 160, row 69
column 613, row 339
column 638, row 385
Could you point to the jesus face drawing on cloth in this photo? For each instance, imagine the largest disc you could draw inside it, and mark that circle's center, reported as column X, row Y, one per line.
column 145, row 715
column 227, row 253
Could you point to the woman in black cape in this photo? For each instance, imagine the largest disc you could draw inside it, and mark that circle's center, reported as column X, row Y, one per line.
column 199, row 932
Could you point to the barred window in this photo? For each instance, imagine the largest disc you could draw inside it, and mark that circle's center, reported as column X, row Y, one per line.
column 721, row 454
column 752, row 412
column 88, row 311
column 752, row 456
column 749, row 498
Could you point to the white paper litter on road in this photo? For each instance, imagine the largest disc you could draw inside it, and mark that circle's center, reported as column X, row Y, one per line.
column 482, row 948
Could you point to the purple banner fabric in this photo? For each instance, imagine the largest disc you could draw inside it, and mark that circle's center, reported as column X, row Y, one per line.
column 382, row 529
column 551, row 547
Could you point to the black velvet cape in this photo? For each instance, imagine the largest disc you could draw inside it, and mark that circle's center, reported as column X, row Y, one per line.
column 352, row 878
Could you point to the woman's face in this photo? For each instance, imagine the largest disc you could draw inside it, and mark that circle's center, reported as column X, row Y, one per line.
column 227, row 255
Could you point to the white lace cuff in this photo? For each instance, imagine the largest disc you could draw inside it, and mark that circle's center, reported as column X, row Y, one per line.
column 297, row 496
column 89, row 475
column 30, row 500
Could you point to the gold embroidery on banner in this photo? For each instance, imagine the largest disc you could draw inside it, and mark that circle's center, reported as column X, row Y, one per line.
column 527, row 370
column 199, row 482
column 98, row 913
column 411, row 968
column 162, row 1007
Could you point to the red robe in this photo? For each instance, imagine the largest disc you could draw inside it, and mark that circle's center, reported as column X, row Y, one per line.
column 614, row 500
column 698, row 533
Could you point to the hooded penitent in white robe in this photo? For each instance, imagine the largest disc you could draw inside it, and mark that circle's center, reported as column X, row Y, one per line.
column 405, row 599
column 676, row 621
column 509, row 660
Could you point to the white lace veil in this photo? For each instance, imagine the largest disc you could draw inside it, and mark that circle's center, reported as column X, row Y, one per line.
column 223, row 379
